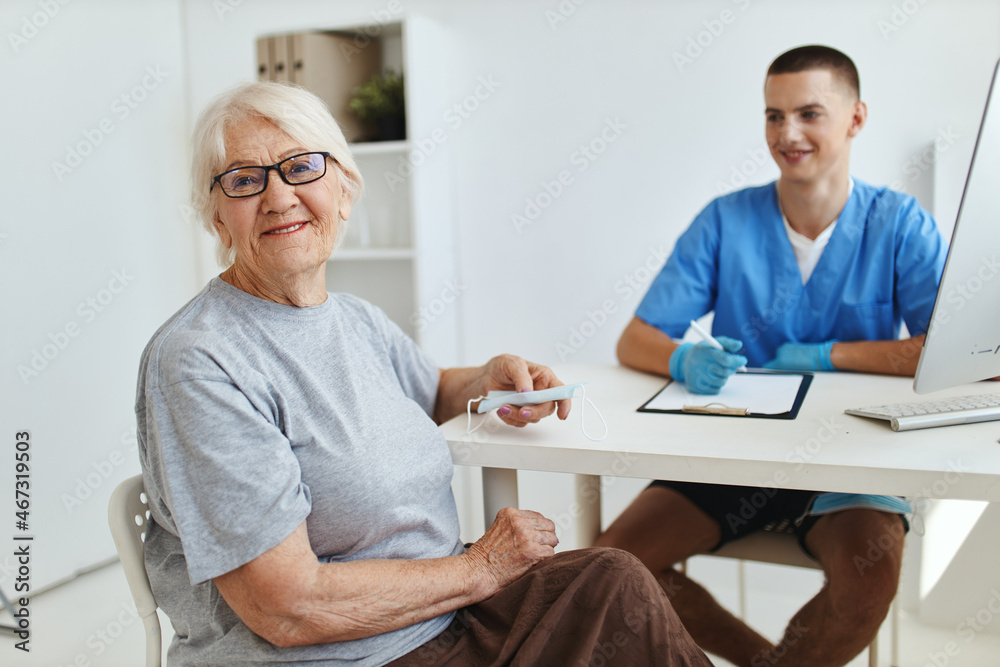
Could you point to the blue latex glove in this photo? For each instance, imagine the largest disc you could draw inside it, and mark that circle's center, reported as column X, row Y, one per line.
column 803, row 357
column 705, row 369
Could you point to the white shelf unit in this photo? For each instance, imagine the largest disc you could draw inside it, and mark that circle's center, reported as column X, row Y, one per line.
column 398, row 252
column 379, row 147
column 368, row 254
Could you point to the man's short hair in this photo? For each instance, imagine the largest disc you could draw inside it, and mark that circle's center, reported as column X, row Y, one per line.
column 816, row 56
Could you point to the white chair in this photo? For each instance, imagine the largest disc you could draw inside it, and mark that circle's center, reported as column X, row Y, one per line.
column 783, row 549
column 128, row 516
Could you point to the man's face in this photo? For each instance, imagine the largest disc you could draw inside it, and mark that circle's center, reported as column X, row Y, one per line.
column 811, row 117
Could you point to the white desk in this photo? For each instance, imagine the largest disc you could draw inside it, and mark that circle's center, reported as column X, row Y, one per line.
column 822, row 449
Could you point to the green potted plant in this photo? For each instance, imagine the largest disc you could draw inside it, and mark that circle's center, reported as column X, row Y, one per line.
column 378, row 104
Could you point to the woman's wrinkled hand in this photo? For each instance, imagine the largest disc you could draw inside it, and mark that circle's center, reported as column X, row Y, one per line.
column 517, row 540
column 508, row 372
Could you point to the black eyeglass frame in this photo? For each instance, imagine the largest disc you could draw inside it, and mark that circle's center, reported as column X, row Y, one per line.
column 267, row 172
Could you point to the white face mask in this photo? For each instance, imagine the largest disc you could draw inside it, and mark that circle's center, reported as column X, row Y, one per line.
column 495, row 399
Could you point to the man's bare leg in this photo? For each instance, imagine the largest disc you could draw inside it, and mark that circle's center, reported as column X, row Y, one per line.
column 662, row 528
column 861, row 553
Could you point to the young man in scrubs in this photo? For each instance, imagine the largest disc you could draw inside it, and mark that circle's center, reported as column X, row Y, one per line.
column 813, row 272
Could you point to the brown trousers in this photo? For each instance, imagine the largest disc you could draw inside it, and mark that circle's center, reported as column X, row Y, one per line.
column 586, row 608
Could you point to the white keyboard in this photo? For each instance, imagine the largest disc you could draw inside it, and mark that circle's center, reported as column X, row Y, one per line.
column 943, row 412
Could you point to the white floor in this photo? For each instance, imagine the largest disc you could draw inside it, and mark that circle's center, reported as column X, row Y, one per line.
column 91, row 622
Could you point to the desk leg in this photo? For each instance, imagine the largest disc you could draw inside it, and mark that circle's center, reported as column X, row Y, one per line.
column 588, row 499
column 499, row 491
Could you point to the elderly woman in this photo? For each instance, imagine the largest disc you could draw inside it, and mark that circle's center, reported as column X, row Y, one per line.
column 299, row 487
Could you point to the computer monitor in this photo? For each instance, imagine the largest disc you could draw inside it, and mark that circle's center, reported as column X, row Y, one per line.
column 963, row 339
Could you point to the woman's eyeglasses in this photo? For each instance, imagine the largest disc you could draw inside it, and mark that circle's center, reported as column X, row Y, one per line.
column 249, row 181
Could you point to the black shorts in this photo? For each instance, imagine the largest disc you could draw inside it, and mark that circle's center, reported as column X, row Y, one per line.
column 741, row 510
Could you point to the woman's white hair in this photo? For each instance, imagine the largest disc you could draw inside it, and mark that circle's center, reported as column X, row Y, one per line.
column 299, row 113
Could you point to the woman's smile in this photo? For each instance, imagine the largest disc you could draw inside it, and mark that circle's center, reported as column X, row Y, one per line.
column 288, row 229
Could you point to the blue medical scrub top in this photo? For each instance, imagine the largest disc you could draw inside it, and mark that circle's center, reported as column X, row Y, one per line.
column 881, row 266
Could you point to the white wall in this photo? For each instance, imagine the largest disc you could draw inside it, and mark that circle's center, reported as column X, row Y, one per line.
column 109, row 230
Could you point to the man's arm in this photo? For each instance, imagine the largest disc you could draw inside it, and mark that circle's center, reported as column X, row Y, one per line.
column 889, row 357
column 646, row 348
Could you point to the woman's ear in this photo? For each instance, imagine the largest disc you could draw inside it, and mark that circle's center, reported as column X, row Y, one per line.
column 220, row 228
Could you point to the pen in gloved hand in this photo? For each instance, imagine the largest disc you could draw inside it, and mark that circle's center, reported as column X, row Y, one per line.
column 708, row 338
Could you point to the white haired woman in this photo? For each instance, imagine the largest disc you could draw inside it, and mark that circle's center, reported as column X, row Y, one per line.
column 299, row 487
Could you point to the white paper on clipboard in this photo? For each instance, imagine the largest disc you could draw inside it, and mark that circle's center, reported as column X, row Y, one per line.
column 761, row 393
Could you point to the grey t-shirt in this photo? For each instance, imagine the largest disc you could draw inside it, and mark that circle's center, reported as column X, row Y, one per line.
column 253, row 417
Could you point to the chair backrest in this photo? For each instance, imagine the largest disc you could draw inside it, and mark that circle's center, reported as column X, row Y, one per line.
column 128, row 516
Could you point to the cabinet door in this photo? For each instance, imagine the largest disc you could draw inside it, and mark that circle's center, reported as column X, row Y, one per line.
column 332, row 66
column 279, row 58
column 264, row 58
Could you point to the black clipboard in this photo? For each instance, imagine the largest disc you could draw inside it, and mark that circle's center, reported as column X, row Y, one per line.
column 716, row 409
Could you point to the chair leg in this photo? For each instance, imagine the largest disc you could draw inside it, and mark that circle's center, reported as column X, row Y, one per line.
column 742, row 576
column 894, row 650
column 893, row 638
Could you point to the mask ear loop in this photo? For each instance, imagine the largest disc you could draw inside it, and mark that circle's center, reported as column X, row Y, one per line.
column 583, row 409
column 468, row 412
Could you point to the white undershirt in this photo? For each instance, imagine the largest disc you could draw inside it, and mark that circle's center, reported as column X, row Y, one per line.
column 807, row 250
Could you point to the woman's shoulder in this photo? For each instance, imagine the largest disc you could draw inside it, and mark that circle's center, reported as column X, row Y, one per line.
column 357, row 309
column 186, row 343
column 370, row 323
column 346, row 301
